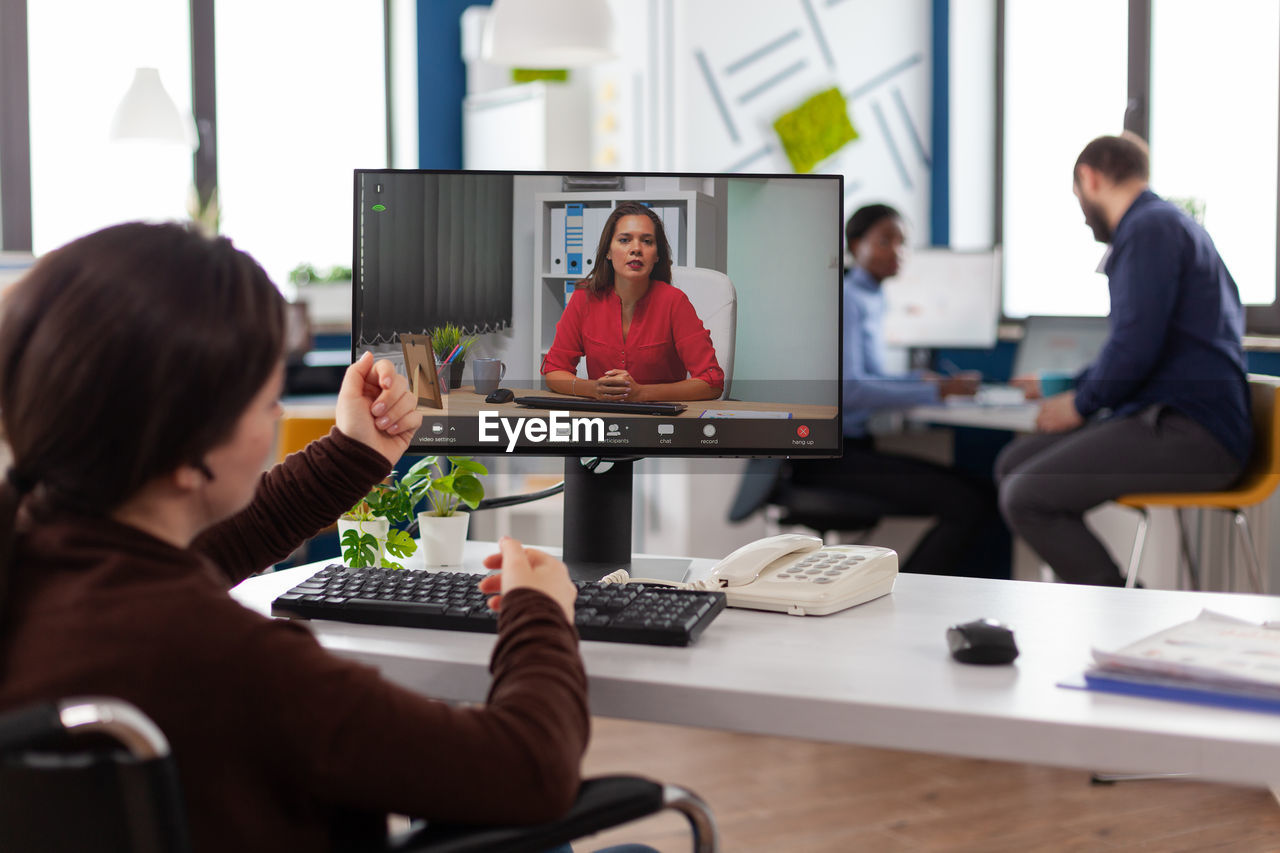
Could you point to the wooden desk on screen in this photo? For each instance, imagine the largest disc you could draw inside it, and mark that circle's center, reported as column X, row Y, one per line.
column 465, row 401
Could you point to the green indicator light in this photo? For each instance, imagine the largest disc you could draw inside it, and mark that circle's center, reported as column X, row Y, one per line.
column 379, row 207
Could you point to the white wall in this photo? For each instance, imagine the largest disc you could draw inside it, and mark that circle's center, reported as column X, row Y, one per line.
column 784, row 270
column 763, row 59
column 972, row 136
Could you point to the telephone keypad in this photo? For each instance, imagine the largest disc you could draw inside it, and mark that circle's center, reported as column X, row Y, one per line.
column 823, row 567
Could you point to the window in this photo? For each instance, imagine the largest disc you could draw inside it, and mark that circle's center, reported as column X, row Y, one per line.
column 1213, row 126
column 82, row 56
column 1064, row 84
column 301, row 104
column 1207, row 77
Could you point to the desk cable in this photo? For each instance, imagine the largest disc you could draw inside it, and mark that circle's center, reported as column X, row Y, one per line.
column 529, row 497
column 704, row 585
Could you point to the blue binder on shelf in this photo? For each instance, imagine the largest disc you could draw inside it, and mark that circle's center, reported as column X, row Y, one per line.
column 573, row 226
column 593, row 219
column 557, row 241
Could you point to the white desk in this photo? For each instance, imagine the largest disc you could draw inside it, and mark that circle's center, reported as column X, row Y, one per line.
column 1017, row 418
column 879, row 675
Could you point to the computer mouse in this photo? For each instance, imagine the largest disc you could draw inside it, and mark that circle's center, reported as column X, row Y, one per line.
column 982, row 641
column 500, row 395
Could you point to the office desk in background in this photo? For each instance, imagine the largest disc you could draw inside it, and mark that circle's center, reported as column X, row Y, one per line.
column 1015, row 418
column 880, row 675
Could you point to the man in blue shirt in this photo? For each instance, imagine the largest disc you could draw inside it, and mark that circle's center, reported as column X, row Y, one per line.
column 899, row 485
column 1165, row 407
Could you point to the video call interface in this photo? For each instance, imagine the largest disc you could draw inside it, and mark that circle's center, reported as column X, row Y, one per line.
column 712, row 300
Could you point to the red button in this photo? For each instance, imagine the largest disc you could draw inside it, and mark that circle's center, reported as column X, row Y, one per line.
column 802, row 431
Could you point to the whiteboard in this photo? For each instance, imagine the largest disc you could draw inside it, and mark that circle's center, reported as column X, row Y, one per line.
column 943, row 298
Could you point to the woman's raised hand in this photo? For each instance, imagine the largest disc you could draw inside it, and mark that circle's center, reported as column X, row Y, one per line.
column 528, row 567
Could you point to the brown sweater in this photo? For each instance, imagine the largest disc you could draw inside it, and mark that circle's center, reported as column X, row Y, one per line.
column 276, row 739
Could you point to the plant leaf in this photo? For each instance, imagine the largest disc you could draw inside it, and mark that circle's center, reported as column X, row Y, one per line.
column 469, row 489
column 359, row 550
column 466, row 463
column 401, row 544
column 420, row 469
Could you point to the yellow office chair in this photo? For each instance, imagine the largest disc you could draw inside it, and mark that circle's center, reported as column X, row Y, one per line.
column 1256, row 484
column 297, row 432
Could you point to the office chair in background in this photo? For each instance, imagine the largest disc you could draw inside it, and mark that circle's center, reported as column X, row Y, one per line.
column 297, row 432
column 59, row 792
column 825, row 510
column 1258, row 482
column 716, row 301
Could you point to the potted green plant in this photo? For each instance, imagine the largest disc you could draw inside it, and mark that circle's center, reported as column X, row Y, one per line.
column 365, row 532
column 444, row 339
column 446, row 483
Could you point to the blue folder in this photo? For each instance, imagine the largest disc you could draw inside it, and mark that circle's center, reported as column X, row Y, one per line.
column 1179, row 691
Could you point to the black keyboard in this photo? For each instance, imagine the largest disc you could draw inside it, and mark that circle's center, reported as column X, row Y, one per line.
column 613, row 612
column 619, row 407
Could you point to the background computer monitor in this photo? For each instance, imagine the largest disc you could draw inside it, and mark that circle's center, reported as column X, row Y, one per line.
column 499, row 253
column 1067, row 344
column 944, row 298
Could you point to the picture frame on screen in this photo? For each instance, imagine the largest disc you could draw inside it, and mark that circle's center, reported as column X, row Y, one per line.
column 420, row 365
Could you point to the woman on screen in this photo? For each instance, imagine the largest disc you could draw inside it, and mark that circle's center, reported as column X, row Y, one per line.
column 140, row 375
column 641, row 337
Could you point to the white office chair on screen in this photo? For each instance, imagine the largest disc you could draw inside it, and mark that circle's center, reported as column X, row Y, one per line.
column 716, row 302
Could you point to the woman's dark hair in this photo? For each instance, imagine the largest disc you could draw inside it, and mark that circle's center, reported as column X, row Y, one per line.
column 123, row 355
column 601, row 279
column 865, row 218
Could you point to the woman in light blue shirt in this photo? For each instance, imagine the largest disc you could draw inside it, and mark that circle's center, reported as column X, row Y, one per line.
column 904, row 485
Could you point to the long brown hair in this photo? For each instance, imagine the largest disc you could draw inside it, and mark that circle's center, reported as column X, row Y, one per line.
column 123, row 355
column 601, row 279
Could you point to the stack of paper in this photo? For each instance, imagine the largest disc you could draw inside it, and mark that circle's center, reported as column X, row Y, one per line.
column 1213, row 659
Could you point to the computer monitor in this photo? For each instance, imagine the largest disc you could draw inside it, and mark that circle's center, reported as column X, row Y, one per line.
column 1067, row 344
column 944, row 298
column 512, row 256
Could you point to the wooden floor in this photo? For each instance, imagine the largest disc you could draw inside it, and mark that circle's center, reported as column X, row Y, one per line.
column 781, row 795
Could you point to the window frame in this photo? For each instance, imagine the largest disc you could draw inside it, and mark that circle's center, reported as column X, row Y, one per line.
column 15, row 131
column 1259, row 319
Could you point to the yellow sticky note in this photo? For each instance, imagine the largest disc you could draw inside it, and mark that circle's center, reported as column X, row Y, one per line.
column 815, row 130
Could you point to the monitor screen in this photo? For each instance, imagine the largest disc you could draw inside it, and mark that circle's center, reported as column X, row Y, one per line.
column 565, row 294
column 944, row 298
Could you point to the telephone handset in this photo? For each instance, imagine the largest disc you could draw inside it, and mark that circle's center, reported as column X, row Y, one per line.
column 795, row 574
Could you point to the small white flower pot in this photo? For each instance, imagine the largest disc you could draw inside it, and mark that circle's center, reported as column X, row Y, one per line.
column 377, row 527
column 442, row 538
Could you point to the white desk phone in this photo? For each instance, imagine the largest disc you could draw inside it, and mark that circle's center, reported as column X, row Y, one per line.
column 795, row 574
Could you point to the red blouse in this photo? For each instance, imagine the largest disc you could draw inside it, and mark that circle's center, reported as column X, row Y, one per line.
column 666, row 342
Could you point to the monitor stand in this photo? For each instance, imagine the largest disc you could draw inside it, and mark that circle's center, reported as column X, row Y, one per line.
column 597, row 525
